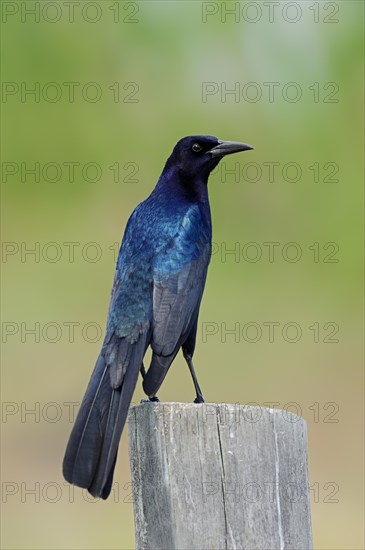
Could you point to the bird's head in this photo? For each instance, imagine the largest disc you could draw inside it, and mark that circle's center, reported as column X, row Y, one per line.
column 197, row 156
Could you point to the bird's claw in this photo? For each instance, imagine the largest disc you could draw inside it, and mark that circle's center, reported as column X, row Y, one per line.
column 154, row 399
column 199, row 399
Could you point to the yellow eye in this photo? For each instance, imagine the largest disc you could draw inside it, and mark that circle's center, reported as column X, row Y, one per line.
column 196, row 148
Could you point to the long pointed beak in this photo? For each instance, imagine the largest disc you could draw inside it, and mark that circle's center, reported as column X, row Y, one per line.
column 228, row 147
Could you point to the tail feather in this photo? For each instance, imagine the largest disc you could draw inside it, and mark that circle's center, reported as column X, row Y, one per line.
column 116, row 421
column 156, row 373
column 93, row 445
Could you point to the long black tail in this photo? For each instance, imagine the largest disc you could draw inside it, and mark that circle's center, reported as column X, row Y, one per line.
column 92, row 449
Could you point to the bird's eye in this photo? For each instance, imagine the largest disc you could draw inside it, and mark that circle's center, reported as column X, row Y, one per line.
column 196, row 147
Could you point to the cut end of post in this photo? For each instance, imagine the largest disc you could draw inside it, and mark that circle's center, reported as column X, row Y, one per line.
column 236, row 475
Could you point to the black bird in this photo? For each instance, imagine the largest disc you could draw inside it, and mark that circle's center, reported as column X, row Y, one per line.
column 155, row 299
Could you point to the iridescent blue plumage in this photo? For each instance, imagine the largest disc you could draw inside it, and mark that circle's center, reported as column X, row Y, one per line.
column 155, row 299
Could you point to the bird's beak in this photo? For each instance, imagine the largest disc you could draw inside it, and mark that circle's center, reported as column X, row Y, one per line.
column 228, row 147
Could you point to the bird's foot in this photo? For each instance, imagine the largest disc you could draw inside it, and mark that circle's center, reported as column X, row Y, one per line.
column 199, row 399
column 154, row 399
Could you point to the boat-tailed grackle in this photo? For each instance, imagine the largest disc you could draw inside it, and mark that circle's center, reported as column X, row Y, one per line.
column 155, row 299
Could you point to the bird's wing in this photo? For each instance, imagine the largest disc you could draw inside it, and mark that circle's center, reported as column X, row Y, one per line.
column 130, row 308
column 178, row 283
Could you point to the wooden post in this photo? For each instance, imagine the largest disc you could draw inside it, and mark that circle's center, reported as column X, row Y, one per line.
column 223, row 476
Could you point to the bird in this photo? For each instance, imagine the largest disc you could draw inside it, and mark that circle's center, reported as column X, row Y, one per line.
column 155, row 299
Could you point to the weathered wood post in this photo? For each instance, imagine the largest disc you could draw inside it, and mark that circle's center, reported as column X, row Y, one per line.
column 223, row 476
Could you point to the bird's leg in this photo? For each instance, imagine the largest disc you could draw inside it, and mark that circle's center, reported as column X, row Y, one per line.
column 199, row 396
column 154, row 399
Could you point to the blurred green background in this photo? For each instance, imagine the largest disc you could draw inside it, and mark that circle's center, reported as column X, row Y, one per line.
column 160, row 54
